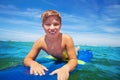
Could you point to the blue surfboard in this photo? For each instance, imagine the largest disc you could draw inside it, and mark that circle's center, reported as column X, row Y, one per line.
column 21, row 72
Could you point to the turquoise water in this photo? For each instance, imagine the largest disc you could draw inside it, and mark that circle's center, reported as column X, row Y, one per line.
column 105, row 64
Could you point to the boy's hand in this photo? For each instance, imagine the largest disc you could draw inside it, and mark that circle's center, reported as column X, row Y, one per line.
column 62, row 73
column 37, row 69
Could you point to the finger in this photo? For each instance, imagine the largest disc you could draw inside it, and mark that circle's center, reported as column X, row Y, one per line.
column 31, row 71
column 44, row 68
column 41, row 72
column 35, row 72
column 54, row 72
column 60, row 77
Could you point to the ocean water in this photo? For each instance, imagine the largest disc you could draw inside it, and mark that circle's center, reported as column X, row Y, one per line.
column 105, row 64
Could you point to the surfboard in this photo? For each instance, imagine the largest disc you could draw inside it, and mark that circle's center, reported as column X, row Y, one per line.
column 22, row 72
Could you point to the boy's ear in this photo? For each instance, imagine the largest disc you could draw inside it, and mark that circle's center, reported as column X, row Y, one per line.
column 42, row 24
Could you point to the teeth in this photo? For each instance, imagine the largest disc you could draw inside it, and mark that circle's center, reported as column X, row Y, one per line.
column 52, row 32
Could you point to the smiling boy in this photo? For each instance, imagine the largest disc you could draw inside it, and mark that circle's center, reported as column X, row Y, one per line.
column 55, row 43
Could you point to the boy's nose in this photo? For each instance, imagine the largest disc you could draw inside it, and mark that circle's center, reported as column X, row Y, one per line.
column 52, row 27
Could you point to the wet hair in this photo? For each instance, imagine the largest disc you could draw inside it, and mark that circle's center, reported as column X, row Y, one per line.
column 49, row 13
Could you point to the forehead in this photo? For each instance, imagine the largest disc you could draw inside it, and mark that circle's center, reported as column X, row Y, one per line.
column 51, row 18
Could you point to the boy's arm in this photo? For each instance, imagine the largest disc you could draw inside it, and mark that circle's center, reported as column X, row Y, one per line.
column 72, row 63
column 29, row 59
column 63, row 72
column 35, row 67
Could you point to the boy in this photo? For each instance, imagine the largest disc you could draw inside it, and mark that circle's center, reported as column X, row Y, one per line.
column 55, row 43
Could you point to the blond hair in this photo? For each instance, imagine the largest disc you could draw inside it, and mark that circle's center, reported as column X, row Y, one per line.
column 49, row 13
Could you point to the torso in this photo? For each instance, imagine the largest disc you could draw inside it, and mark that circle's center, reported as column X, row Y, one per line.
column 55, row 48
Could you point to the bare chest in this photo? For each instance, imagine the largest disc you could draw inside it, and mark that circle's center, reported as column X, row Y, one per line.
column 55, row 46
column 55, row 49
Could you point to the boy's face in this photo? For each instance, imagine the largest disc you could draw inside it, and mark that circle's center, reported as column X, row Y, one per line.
column 52, row 26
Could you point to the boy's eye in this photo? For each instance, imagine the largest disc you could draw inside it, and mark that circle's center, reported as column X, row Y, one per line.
column 56, row 24
column 47, row 24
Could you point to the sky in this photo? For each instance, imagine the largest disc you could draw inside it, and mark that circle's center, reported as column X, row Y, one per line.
column 89, row 22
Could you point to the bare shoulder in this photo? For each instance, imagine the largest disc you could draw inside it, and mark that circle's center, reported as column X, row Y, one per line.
column 68, row 41
column 39, row 42
column 67, row 37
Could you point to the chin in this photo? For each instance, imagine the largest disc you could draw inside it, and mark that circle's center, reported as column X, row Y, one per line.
column 53, row 34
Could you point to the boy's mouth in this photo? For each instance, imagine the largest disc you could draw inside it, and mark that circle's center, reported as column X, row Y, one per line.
column 52, row 32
